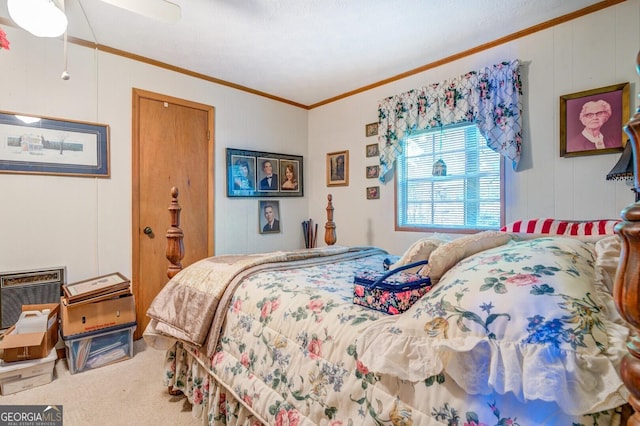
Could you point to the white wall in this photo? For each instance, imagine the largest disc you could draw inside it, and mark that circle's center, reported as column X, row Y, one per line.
column 85, row 223
column 589, row 52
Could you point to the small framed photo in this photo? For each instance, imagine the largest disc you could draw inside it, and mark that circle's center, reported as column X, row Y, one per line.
column 268, row 174
column 372, row 150
column 242, row 173
column 591, row 121
column 373, row 192
column 289, row 176
column 338, row 168
column 371, row 129
column 373, row 172
column 269, row 216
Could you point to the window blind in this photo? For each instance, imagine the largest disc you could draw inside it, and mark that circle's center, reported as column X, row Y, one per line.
column 469, row 196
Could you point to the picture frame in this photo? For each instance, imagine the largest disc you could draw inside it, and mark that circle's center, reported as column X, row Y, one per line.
column 31, row 144
column 373, row 172
column 247, row 174
column 338, row 168
column 97, row 285
column 373, row 192
column 372, row 150
column 371, row 129
column 289, row 170
column 269, row 219
column 604, row 111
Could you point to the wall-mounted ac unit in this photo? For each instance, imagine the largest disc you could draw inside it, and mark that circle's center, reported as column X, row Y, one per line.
column 31, row 287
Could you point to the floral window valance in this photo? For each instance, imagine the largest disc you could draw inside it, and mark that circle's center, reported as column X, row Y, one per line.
column 489, row 97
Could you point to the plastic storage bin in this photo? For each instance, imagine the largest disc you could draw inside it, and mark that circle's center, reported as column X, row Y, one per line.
column 22, row 375
column 92, row 350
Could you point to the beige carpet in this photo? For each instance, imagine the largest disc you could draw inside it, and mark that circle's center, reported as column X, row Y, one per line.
column 126, row 393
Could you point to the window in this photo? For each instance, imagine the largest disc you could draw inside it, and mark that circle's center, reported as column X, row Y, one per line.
column 467, row 197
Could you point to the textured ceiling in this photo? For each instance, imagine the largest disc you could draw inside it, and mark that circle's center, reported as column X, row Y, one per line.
column 309, row 51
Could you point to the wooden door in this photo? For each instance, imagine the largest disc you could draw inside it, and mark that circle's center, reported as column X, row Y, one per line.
column 172, row 146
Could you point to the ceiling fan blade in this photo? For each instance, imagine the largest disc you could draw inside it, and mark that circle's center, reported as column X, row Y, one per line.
column 162, row 10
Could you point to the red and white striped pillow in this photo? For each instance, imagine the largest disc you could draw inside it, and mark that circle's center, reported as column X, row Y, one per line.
column 562, row 227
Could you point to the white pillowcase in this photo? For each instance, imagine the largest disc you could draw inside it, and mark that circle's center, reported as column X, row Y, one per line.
column 420, row 250
column 447, row 255
column 608, row 256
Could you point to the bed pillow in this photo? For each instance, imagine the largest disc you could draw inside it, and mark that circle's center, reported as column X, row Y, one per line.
column 608, row 256
column 447, row 255
column 524, row 318
column 420, row 250
column 562, row 227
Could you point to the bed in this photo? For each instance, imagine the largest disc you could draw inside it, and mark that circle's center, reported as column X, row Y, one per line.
column 523, row 326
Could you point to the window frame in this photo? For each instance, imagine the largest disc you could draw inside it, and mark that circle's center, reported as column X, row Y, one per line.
column 446, row 230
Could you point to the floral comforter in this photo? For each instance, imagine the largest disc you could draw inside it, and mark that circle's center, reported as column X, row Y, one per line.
column 295, row 350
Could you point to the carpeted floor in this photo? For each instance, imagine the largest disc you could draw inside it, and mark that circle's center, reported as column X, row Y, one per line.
column 126, row 393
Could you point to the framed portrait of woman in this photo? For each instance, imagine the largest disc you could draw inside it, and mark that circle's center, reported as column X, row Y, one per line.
column 591, row 121
column 290, row 176
column 242, row 171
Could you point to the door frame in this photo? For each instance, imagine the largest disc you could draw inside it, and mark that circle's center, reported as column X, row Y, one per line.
column 137, row 95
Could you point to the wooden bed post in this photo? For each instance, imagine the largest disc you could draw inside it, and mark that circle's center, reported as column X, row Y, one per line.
column 175, row 249
column 330, row 226
column 175, row 237
column 626, row 289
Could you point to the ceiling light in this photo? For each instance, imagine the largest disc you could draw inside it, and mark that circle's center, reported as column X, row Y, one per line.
column 42, row 18
column 27, row 119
